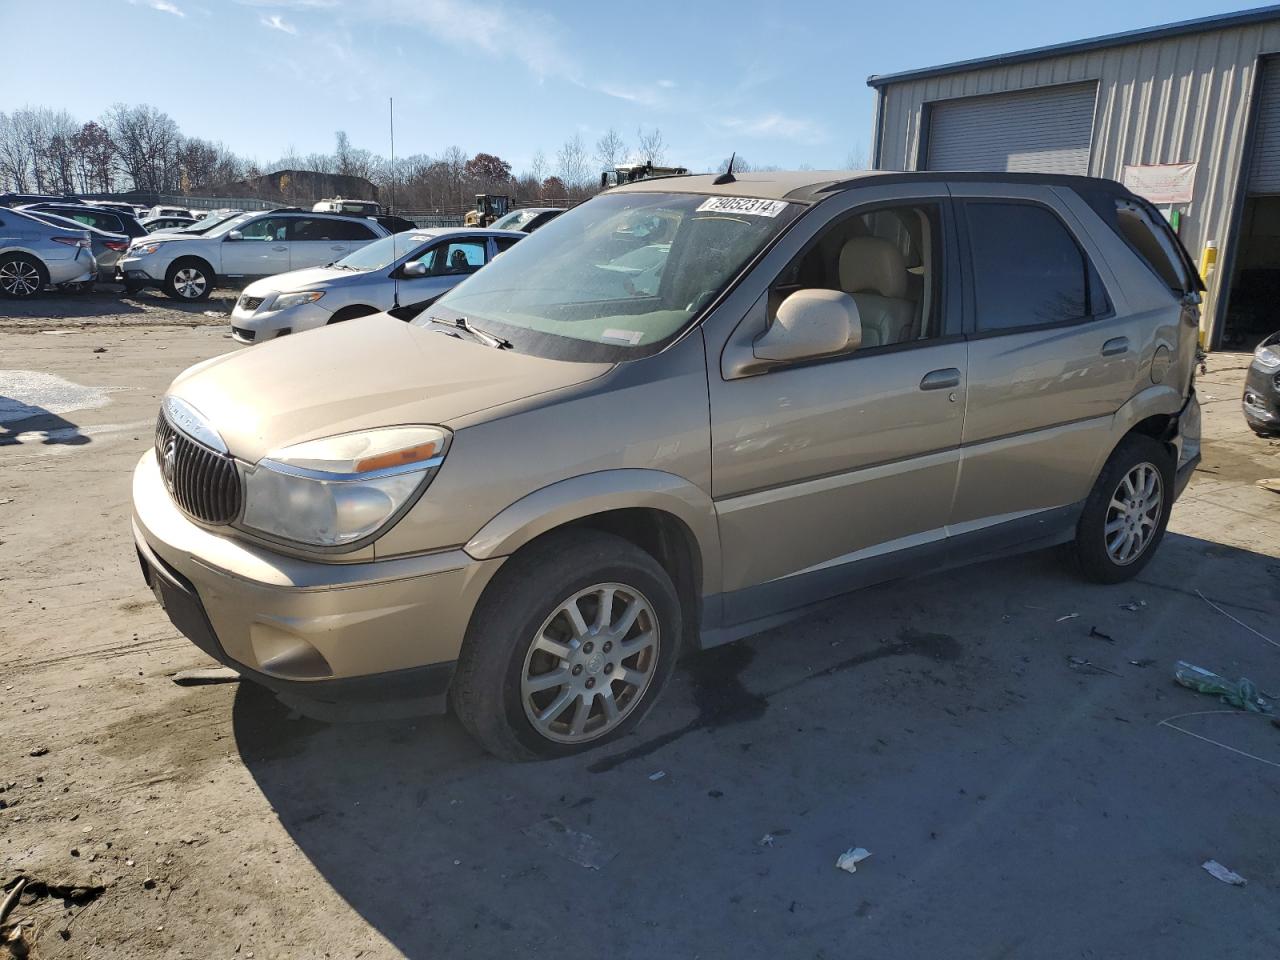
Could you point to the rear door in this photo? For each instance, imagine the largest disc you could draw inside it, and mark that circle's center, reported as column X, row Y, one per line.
column 1050, row 360
column 316, row 241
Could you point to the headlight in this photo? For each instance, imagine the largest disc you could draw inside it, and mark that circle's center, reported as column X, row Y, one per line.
column 335, row 491
column 1267, row 357
column 286, row 300
column 144, row 250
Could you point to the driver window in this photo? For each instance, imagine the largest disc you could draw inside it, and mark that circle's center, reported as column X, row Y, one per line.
column 460, row 256
column 268, row 228
column 888, row 260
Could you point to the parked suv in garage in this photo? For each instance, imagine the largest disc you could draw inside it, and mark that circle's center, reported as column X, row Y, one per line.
column 400, row 270
column 680, row 413
column 186, row 266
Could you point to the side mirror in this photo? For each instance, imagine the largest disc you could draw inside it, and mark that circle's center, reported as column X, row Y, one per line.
column 811, row 323
column 415, row 269
column 235, row 235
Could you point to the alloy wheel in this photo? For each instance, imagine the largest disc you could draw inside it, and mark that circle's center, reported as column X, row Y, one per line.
column 19, row 278
column 590, row 663
column 189, row 282
column 1134, row 514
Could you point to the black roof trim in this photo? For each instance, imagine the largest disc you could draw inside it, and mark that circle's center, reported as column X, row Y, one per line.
column 1217, row 22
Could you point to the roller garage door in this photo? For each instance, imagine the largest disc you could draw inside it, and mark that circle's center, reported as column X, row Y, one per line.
column 1264, row 169
column 1047, row 130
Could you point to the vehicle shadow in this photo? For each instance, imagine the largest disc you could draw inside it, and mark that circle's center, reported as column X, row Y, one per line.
column 446, row 851
column 18, row 419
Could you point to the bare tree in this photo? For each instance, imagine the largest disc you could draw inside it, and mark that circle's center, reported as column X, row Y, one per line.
column 538, row 166
column 859, row 158
column 611, row 150
column 147, row 143
column 650, row 146
column 571, row 162
column 740, row 164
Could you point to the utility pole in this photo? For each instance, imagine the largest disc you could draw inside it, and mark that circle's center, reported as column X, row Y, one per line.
column 391, row 101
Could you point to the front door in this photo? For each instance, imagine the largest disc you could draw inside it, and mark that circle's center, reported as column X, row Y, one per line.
column 261, row 251
column 825, row 473
column 1049, row 360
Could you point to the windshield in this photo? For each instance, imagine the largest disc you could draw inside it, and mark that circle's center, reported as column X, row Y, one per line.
column 615, row 277
column 384, row 252
column 207, row 224
column 225, row 226
column 515, row 220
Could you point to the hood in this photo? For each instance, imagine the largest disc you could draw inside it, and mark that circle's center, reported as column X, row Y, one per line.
column 309, row 279
column 373, row 372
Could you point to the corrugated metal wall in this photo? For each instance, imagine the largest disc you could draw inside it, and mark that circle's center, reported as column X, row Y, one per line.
column 1264, row 165
column 1173, row 100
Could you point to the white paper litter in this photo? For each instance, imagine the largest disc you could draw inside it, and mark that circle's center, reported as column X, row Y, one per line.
column 850, row 859
column 1219, row 872
column 657, row 775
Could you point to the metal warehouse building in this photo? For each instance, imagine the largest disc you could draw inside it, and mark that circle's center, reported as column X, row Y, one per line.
column 1187, row 115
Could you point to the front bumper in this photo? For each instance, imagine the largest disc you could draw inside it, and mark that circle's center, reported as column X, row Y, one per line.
column 138, row 271
column 1261, row 400
column 254, row 326
column 317, row 633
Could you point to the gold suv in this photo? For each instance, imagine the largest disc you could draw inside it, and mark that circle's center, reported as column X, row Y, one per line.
column 682, row 412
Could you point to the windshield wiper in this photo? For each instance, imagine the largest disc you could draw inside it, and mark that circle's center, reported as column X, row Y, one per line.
column 493, row 340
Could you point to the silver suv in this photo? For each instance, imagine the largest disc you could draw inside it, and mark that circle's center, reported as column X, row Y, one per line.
column 397, row 271
column 188, row 265
column 34, row 255
column 684, row 411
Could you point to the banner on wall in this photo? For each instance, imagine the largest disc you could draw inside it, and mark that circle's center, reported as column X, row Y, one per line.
column 1161, row 183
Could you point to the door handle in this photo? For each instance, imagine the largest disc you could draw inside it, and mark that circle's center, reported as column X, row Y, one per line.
column 943, row 379
column 280, row 249
column 337, row 246
column 1115, row 346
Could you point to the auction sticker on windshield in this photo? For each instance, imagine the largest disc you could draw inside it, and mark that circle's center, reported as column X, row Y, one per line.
column 747, row 205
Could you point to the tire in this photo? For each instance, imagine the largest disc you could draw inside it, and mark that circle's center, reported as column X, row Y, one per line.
column 350, row 313
column 22, row 277
column 523, row 616
column 189, row 279
column 1138, row 523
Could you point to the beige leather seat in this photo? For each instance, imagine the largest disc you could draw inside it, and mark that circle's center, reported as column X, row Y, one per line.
column 874, row 273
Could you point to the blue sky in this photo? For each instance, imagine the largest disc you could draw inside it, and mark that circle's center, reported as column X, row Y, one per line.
column 781, row 83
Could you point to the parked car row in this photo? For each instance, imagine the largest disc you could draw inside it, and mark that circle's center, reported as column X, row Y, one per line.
column 35, row 254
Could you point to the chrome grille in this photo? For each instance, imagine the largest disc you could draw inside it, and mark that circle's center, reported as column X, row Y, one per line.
column 203, row 482
column 250, row 303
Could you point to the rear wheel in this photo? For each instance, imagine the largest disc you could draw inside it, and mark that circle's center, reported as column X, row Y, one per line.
column 1125, row 516
column 189, row 279
column 569, row 648
column 21, row 276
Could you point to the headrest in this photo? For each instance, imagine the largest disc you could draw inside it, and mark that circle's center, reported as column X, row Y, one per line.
column 873, row 265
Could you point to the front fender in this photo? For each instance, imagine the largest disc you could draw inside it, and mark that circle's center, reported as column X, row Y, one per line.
column 593, row 493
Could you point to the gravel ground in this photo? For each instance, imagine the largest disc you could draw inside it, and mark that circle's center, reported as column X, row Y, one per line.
column 109, row 306
column 1016, row 802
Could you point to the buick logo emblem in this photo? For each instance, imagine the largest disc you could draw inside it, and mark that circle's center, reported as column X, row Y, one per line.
column 168, row 463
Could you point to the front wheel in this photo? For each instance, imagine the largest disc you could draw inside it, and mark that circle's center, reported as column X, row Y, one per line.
column 569, row 647
column 189, row 280
column 1125, row 517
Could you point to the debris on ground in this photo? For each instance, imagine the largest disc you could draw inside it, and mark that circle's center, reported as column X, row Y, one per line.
column 1237, row 620
column 1144, row 662
column 1069, row 616
column 1095, row 632
column 1242, row 693
column 1133, row 606
column 1218, row 871
column 39, row 751
column 11, row 900
column 849, row 860
column 574, row 845
column 1271, row 483
column 1086, row 662
column 657, row 775
column 205, row 675
column 214, row 313
column 99, row 349
column 768, row 839
column 4, row 500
